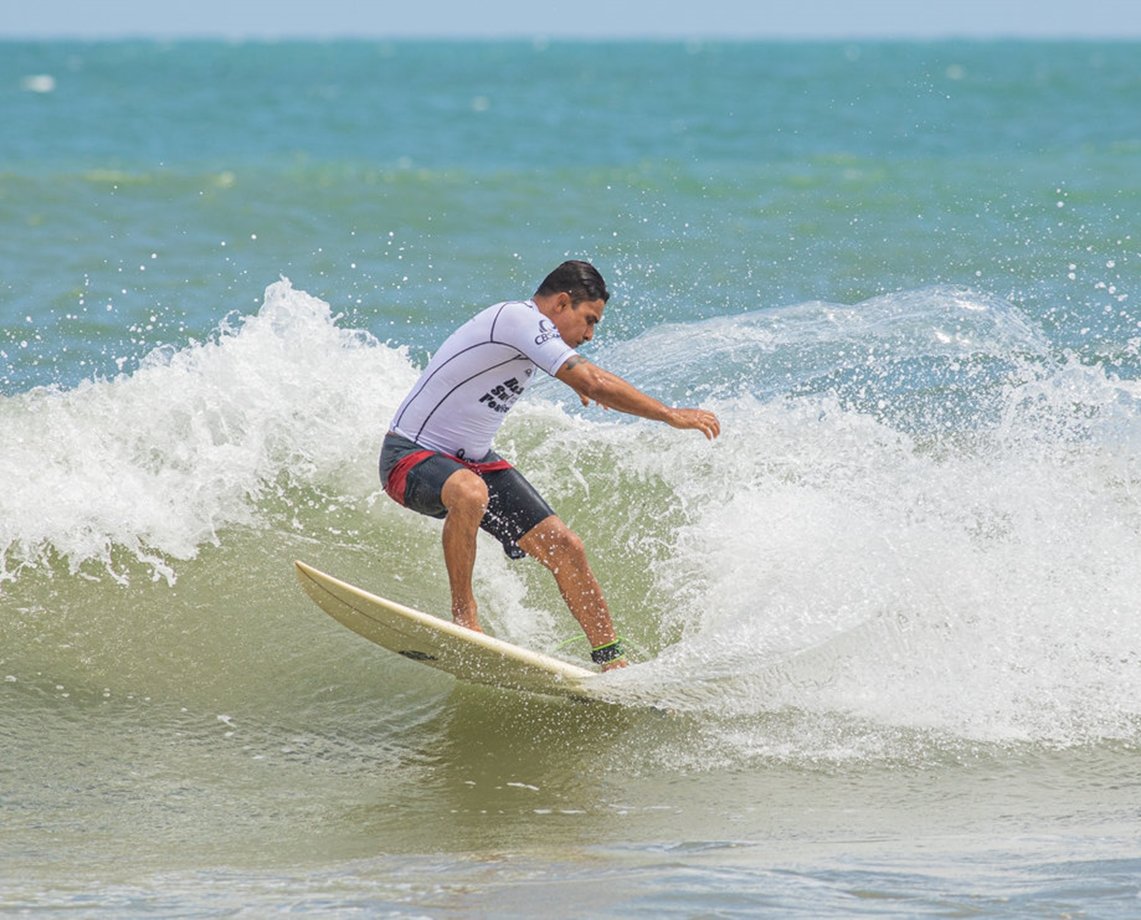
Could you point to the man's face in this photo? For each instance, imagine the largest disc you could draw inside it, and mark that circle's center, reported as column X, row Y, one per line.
column 576, row 322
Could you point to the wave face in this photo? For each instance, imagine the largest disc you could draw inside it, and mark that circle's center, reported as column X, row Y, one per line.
column 920, row 519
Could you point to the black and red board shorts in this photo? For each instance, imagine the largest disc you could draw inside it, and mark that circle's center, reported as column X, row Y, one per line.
column 414, row 477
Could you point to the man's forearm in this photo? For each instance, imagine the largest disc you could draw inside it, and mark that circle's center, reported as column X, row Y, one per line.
column 610, row 391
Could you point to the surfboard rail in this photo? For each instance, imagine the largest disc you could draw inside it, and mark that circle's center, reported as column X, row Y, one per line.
column 464, row 653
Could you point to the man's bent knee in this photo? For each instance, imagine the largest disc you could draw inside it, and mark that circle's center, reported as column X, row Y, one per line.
column 464, row 492
column 551, row 541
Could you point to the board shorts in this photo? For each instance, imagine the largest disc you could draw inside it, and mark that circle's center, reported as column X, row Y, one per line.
column 414, row 477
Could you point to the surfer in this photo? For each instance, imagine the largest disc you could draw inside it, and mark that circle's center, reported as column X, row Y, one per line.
column 437, row 457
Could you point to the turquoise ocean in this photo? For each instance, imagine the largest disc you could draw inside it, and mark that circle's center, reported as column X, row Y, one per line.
column 890, row 621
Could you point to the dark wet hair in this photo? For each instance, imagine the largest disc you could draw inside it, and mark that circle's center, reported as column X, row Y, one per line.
column 579, row 279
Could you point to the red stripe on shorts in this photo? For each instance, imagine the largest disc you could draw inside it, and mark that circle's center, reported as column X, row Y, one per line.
column 398, row 478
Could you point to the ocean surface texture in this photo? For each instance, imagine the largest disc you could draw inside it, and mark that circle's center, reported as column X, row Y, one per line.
column 890, row 623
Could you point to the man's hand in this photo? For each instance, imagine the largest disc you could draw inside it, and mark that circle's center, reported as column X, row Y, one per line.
column 699, row 419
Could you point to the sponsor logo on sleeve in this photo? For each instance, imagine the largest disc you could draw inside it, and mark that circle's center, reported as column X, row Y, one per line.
column 547, row 331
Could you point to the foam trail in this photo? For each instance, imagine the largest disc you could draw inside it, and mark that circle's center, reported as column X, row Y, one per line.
column 969, row 572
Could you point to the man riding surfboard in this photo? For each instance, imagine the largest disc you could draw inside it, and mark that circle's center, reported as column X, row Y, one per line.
column 437, row 456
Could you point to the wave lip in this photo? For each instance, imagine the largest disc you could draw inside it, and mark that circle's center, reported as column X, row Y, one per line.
column 159, row 461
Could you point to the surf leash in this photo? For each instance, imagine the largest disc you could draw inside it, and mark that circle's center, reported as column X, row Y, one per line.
column 611, row 651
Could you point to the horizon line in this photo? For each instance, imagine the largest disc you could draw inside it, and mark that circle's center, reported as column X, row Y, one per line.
column 540, row 38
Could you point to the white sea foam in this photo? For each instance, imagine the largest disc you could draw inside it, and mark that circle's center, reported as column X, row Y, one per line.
column 159, row 461
column 978, row 581
column 966, row 567
column 38, row 83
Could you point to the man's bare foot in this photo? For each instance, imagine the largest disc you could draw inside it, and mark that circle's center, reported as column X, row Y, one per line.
column 467, row 619
column 616, row 663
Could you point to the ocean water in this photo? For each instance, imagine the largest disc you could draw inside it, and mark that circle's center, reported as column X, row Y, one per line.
column 890, row 621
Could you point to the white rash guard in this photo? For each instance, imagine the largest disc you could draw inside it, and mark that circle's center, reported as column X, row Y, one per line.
column 482, row 368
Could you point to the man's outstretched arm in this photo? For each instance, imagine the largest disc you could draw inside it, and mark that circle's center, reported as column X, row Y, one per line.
column 593, row 384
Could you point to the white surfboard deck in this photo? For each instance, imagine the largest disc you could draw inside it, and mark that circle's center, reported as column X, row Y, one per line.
column 466, row 654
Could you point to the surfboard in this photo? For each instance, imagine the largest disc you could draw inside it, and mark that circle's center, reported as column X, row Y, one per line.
column 465, row 654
